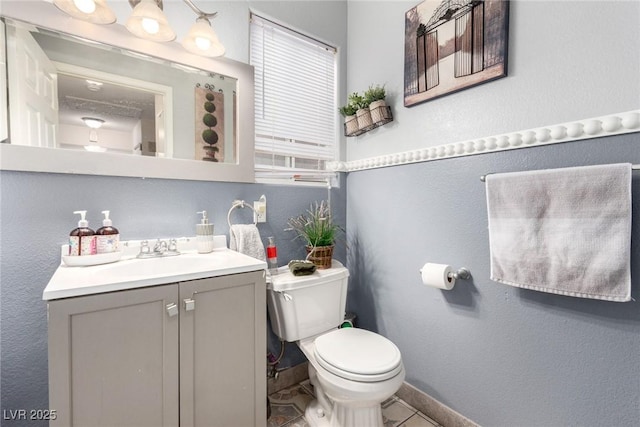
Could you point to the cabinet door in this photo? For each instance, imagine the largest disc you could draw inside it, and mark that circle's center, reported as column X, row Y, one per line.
column 223, row 351
column 113, row 359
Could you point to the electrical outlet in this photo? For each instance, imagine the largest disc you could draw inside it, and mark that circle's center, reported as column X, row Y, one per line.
column 260, row 209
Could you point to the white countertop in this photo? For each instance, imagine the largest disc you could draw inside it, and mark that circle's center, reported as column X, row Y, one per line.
column 131, row 273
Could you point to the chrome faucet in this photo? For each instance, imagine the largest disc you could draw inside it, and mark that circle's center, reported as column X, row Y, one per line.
column 162, row 248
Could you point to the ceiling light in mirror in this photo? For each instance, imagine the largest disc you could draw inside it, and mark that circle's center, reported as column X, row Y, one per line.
column 93, row 141
column 147, row 21
column 95, row 11
column 92, row 122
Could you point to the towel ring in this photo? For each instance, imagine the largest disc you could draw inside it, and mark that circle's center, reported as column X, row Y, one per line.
column 241, row 204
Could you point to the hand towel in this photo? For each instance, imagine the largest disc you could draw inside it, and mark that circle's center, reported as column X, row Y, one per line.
column 301, row 267
column 245, row 238
column 564, row 231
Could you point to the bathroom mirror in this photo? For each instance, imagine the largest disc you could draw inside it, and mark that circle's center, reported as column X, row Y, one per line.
column 111, row 104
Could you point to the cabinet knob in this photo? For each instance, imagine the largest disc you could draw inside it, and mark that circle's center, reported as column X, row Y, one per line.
column 172, row 309
column 189, row 304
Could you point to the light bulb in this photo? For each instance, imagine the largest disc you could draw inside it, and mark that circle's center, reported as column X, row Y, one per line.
column 151, row 26
column 85, row 6
column 203, row 43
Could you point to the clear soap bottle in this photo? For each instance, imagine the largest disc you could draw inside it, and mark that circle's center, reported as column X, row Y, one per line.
column 272, row 256
column 82, row 240
column 204, row 234
column 107, row 236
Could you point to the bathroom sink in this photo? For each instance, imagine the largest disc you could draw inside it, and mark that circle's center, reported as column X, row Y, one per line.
column 160, row 267
column 131, row 272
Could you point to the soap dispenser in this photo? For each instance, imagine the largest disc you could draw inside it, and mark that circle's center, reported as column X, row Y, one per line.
column 204, row 235
column 82, row 240
column 107, row 236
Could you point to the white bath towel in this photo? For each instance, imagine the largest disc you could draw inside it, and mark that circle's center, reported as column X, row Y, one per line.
column 564, row 231
column 245, row 238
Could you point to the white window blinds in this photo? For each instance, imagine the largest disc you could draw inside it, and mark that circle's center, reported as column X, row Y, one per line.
column 295, row 103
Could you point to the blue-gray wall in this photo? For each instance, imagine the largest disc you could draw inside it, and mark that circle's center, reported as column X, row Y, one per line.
column 499, row 355
column 36, row 217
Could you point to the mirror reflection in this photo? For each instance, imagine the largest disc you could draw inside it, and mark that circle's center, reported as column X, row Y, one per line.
column 76, row 94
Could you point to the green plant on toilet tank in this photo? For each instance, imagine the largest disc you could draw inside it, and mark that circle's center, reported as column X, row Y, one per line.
column 317, row 229
column 209, row 136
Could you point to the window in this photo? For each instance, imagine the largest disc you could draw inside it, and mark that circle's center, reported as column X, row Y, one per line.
column 295, row 104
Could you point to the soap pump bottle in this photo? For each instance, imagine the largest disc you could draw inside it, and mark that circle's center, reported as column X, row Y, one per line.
column 272, row 256
column 204, row 234
column 82, row 240
column 107, row 236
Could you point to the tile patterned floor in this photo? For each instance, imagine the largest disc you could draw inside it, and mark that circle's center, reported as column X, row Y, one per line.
column 288, row 405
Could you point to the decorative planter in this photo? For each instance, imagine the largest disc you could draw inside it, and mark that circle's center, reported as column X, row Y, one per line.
column 364, row 119
column 378, row 111
column 320, row 255
column 351, row 124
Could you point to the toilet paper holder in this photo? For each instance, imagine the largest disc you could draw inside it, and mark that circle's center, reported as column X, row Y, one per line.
column 462, row 273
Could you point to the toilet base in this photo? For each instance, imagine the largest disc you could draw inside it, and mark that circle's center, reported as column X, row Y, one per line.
column 315, row 415
column 370, row 416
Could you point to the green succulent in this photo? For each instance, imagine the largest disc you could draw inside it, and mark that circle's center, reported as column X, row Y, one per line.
column 358, row 101
column 348, row 110
column 376, row 93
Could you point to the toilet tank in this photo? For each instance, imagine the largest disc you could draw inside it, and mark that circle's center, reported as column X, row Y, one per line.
column 303, row 306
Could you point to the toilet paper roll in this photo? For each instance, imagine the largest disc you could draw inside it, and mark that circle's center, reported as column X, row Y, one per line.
column 437, row 276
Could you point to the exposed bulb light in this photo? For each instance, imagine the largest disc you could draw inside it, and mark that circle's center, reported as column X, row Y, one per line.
column 85, row 6
column 151, row 26
column 95, row 11
column 147, row 21
column 202, row 40
column 203, row 43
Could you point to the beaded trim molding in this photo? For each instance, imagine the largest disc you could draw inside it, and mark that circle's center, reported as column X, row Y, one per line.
column 613, row 124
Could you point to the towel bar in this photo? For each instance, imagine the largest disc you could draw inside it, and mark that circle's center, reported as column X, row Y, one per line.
column 241, row 204
column 483, row 178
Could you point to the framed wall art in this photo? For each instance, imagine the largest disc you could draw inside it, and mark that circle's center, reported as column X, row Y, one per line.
column 452, row 45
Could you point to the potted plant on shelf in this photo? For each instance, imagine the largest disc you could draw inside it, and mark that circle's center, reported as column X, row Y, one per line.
column 375, row 97
column 362, row 113
column 317, row 229
column 351, row 123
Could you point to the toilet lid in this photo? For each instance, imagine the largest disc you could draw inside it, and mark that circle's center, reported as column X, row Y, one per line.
column 358, row 355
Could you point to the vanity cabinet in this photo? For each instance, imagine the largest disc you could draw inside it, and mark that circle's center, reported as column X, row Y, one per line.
column 190, row 354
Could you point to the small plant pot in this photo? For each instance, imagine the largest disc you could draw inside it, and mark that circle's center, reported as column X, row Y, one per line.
column 364, row 118
column 351, row 124
column 321, row 256
column 379, row 111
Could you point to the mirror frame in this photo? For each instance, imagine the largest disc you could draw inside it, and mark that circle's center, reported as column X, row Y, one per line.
column 38, row 159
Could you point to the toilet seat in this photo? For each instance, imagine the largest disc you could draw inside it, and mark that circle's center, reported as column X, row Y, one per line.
column 358, row 355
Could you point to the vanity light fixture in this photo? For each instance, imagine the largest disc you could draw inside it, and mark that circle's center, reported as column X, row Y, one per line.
column 148, row 21
column 95, row 11
column 201, row 39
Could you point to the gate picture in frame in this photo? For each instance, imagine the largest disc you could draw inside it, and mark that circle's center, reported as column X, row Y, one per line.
column 452, row 45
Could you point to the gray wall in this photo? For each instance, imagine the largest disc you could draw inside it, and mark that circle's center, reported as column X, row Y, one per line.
column 499, row 355
column 568, row 60
column 36, row 217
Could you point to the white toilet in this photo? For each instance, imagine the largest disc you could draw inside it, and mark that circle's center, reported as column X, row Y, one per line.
column 352, row 370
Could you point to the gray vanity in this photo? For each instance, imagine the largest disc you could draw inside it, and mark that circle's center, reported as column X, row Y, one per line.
column 175, row 341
